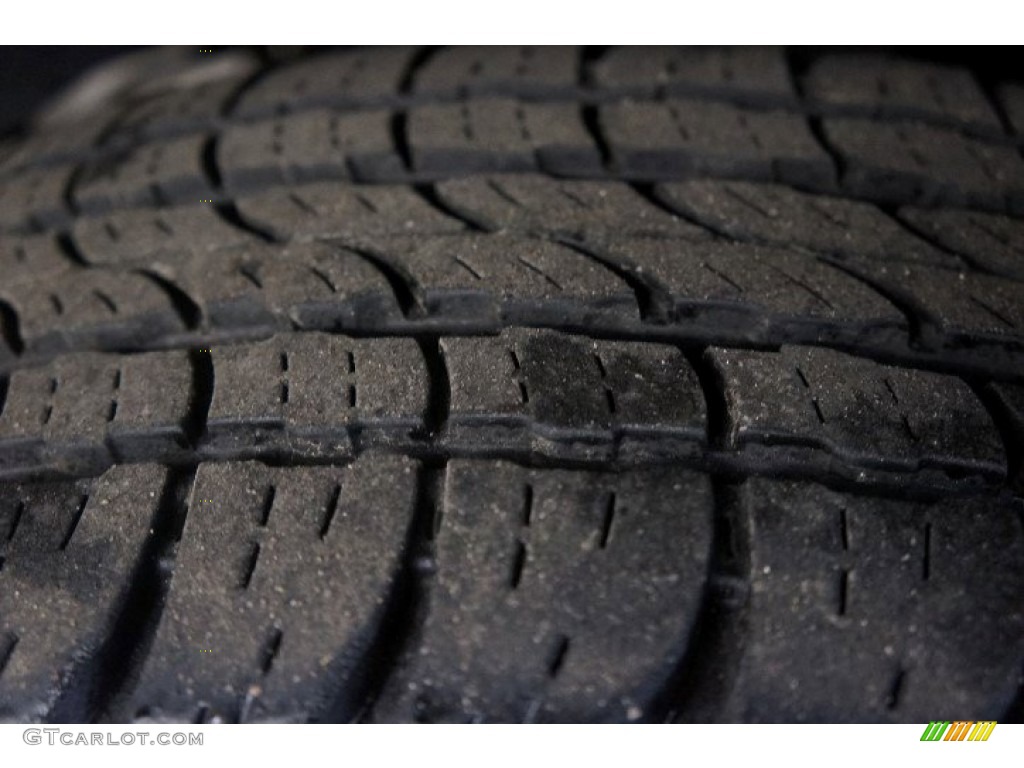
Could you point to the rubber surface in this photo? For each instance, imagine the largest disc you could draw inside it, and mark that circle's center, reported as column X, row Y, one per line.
column 517, row 385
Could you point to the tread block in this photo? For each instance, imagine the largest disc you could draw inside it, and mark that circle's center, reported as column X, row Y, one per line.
column 57, row 142
column 990, row 242
column 34, row 198
column 85, row 308
column 668, row 140
column 82, row 412
column 964, row 308
column 489, row 281
column 151, row 174
column 311, row 146
column 525, row 71
column 744, row 75
column 814, row 409
column 316, row 395
column 906, row 162
column 871, row 610
column 357, row 214
column 147, row 236
column 281, row 582
column 880, row 86
column 177, row 109
column 501, row 135
column 345, row 79
column 782, row 216
column 569, row 396
column 309, row 285
column 70, row 562
column 581, row 210
column 1009, row 410
column 756, row 292
column 30, row 259
column 557, row 572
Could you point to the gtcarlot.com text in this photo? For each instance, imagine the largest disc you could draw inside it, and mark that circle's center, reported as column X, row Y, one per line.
column 72, row 738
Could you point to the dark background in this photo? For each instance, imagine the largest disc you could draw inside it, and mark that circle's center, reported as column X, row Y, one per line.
column 30, row 74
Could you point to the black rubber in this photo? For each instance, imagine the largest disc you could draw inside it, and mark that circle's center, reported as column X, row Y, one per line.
column 517, row 385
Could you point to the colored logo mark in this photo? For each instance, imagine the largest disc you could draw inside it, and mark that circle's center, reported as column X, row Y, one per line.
column 960, row 730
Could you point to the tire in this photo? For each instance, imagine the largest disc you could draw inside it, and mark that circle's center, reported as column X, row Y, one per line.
column 519, row 385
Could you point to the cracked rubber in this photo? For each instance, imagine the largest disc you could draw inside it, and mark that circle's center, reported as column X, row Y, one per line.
column 515, row 385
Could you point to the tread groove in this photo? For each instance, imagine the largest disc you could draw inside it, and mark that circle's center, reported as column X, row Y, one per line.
column 405, row 608
column 896, row 689
column 69, row 249
column 201, row 361
column 270, row 650
column 331, row 511
column 190, row 313
column 518, row 564
column 527, row 505
column 712, row 654
column 428, row 193
column 329, row 171
column 10, row 332
column 7, row 650
column 607, row 520
column 122, row 656
column 19, row 511
column 400, row 283
column 439, row 402
column 268, row 505
column 558, row 656
column 926, row 560
column 79, row 511
column 250, row 565
column 651, row 297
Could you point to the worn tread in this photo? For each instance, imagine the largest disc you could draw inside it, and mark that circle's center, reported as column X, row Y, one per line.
column 519, row 384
